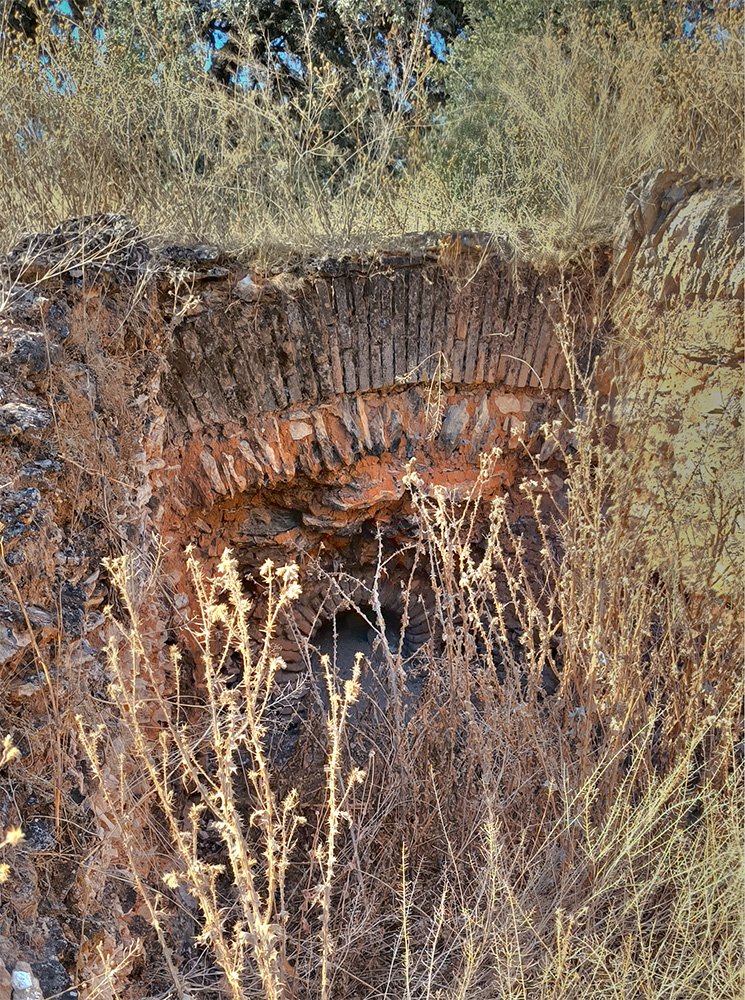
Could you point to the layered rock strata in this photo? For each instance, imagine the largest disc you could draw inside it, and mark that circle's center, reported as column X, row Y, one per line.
column 250, row 386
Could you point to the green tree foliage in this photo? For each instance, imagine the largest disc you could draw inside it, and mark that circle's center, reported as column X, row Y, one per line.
column 342, row 31
column 281, row 32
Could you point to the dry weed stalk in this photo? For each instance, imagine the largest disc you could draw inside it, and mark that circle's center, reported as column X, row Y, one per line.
column 593, row 795
column 437, row 371
column 338, row 791
column 14, row 835
column 216, row 762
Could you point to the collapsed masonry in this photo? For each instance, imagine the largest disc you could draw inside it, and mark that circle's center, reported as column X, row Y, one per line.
column 171, row 398
column 291, row 410
column 273, row 415
column 152, row 400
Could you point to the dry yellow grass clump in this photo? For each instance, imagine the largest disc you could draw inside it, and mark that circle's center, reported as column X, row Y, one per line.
column 538, row 140
column 552, row 130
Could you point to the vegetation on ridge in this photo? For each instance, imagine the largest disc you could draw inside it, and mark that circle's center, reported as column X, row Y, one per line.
column 524, row 125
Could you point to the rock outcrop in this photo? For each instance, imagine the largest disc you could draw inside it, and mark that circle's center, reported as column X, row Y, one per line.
column 249, row 387
column 291, row 406
column 171, row 398
column 681, row 239
column 680, row 263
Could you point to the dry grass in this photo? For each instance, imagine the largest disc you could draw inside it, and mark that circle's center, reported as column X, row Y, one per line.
column 491, row 839
column 540, row 145
column 541, row 139
column 136, row 126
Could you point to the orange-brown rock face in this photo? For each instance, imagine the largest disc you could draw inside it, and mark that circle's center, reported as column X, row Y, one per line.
column 211, row 396
column 276, row 415
column 307, row 382
column 292, row 413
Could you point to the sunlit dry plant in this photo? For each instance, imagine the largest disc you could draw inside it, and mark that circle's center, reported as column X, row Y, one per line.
column 218, row 758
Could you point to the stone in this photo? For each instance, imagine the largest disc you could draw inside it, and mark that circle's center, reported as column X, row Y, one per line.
column 12, row 643
column 32, row 351
column 679, row 238
column 38, row 835
column 25, row 984
column 93, row 245
column 38, row 617
column 246, row 289
column 300, row 430
column 507, row 404
column 210, row 467
column 15, row 418
column 17, row 508
column 266, row 522
column 200, row 255
column 5, row 983
column 454, row 424
column 54, row 980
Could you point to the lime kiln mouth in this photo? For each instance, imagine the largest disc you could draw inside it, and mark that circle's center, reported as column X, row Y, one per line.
column 293, row 418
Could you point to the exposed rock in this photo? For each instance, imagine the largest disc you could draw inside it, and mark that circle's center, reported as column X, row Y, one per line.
column 454, row 424
column 38, row 618
column 12, row 643
column 680, row 260
column 93, row 245
column 331, row 338
column 17, row 418
column 17, row 509
column 25, row 984
column 203, row 256
column 246, row 289
column 680, row 238
column 29, row 352
column 38, row 835
column 53, row 979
